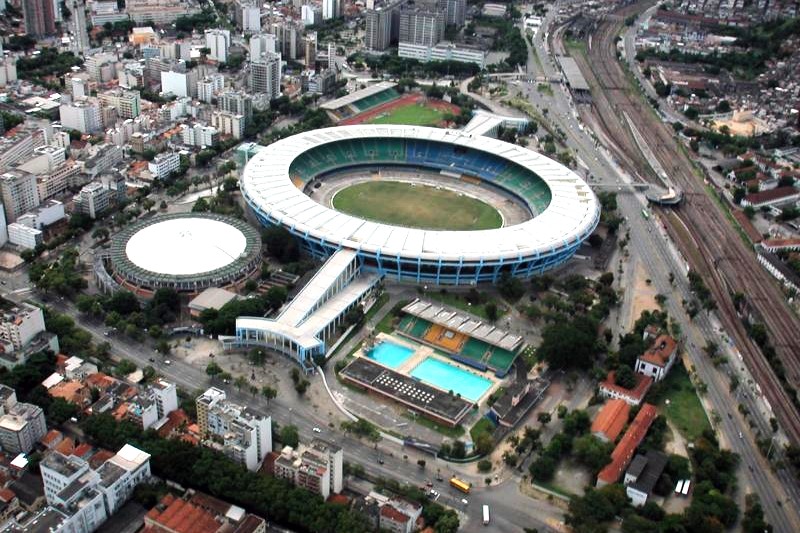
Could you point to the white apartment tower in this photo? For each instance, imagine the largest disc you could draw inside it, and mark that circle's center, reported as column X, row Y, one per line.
column 19, row 193
column 218, row 41
column 265, row 75
column 331, row 9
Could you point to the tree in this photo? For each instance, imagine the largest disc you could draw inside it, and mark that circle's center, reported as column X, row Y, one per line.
column 163, row 347
column 276, row 296
column 543, row 468
column 592, row 452
column 289, row 436
column 484, row 444
column 61, row 410
column 240, row 382
column 544, row 418
column 124, row 368
column 624, row 377
column 269, row 393
column 213, row 370
column 458, row 450
column 569, row 344
column 484, row 465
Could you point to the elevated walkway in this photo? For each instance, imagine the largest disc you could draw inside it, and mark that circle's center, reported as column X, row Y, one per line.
column 304, row 325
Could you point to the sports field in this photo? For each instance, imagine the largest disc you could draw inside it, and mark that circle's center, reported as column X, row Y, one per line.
column 412, row 115
column 416, row 206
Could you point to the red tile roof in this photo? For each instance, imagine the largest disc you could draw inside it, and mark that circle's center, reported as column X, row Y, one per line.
column 623, row 453
column 339, row 499
column 66, row 446
column 99, row 458
column 53, row 436
column 747, row 226
column 82, row 450
column 660, row 352
column 389, row 512
column 180, row 516
column 6, row 495
column 757, row 198
column 611, row 418
column 643, row 384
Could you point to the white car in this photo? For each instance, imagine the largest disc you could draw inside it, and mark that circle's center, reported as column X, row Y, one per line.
column 316, row 430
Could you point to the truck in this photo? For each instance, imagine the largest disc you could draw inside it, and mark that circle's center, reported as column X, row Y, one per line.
column 485, row 515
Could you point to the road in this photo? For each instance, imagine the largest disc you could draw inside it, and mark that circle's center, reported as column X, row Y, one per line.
column 778, row 493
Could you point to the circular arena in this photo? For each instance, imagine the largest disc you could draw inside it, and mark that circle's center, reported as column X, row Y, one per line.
column 187, row 252
column 285, row 184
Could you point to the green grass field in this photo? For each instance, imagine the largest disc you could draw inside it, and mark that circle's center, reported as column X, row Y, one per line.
column 416, row 206
column 684, row 410
column 412, row 115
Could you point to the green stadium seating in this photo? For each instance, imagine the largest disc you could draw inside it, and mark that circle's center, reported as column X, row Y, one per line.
column 475, row 349
column 376, row 99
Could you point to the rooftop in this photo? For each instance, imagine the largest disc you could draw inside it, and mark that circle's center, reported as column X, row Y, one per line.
column 463, row 323
column 358, row 95
column 175, row 515
column 771, row 195
column 661, row 351
column 654, row 464
column 611, row 419
column 643, row 384
column 623, row 453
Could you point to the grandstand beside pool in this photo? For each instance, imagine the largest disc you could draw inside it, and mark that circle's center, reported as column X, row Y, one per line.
column 465, row 338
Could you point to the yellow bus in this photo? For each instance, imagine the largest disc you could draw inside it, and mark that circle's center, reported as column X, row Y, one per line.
column 463, row 486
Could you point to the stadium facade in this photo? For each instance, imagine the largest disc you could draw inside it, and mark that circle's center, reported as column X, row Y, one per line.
column 277, row 181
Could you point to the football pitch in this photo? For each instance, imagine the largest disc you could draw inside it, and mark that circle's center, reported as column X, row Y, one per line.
column 416, row 206
column 412, row 115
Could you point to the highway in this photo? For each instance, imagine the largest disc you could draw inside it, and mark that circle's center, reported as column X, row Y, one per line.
column 648, row 243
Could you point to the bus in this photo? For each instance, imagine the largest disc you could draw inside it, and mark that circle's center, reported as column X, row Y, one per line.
column 463, row 486
column 485, row 515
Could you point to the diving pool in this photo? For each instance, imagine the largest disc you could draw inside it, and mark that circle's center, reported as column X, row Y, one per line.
column 390, row 354
column 448, row 377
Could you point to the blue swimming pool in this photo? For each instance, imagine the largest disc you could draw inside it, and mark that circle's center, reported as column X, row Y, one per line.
column 390, row 354
column 448, row 377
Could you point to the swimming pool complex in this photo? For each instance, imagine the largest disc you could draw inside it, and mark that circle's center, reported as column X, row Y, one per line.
column 448, row 377
column 390, row 354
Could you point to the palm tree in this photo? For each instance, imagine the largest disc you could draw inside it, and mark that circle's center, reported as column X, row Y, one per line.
column 269, row 393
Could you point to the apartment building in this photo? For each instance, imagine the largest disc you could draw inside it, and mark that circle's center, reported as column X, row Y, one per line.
column 265, row 75
column 84, row 116
column 127, row 103
column 316, row 467
column 19, row 193
column 218, row 41
column 164, row 164
column 24, row 236
column 244, row 436
column 19, row 325
column 21, row 424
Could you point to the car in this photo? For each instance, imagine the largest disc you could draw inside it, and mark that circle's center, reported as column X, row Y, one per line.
column 167, row 362
column 429, row 484
column 464, row 501
column 434, row 494
column 740, row 435
column 380, row 461
column 152, row 359
column 316, row 430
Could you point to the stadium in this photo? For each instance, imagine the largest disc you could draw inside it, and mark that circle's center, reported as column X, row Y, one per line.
column 539, row 215
column 188, row 252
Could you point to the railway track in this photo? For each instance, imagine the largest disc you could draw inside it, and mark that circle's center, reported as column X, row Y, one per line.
column 716, row 251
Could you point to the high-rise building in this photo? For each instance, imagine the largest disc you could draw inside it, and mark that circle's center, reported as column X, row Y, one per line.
column 94, row 199
column 80, row 35
column 310, row 15
column 3, row 226
column 247, row 437
column 83, row 116
column 265, row 75
column 199, row 135
column 21, row 424
column 164, row 164
column 261, row 43
column 311, row 50
column 251, row 18
column 127, row 103
column 455, row 12
column 331, row 9
column 39, row 17
column 421, row 27
column 288, row 39
column 209, row 86
column 378, row 28
column 236, row 102
column 316, row 468
column 228, row 123
column 218, row 41
column 19, row 192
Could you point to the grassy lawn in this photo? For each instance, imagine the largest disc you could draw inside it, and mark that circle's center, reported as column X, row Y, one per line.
column 460, row 302
column 684, row 410
column 481, row 426
column 545, row 89
column 377, row 306
column 413, row 115
column 447, row 431
column 416, row 206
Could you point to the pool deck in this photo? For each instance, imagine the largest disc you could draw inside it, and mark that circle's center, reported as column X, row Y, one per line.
column 422, row 352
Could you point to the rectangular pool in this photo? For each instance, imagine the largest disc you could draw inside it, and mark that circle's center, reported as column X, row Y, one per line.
column 448, row 377
column 390, row 354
